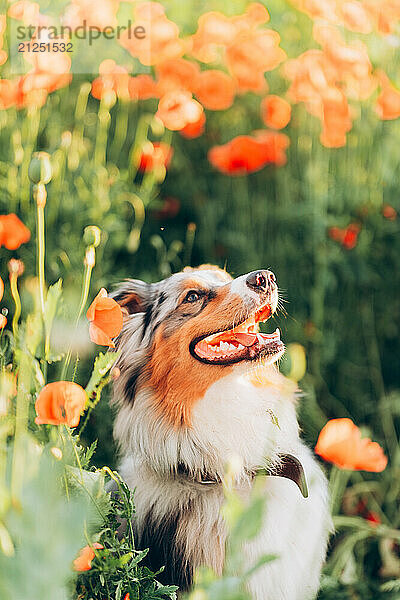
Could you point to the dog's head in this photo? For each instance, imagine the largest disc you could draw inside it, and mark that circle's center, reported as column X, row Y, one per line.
column 182, row 334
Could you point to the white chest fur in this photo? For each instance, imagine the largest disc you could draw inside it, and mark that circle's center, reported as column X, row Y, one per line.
column 235, row 420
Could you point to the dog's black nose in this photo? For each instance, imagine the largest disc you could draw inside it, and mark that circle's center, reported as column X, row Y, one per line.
column 260, row 281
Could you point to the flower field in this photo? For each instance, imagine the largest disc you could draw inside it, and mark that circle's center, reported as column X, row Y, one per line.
column 243, row 134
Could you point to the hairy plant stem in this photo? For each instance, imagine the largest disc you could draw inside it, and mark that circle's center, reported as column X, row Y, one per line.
column 84, row 296
column 21, row 421
column 337, row 483
column 17, row 302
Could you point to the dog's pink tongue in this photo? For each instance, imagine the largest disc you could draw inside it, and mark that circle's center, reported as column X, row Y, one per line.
column 246, row 339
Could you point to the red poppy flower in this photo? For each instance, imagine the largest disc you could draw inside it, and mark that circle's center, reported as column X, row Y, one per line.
column 3, row 321
column 369, row 515
column 1, row 288
column 60, row 402
column 169, row 209
column 214, row 89
column 83, row 562
column 155, row 154
column 247, row 154
column 275, row 112
column 347, row 237
column 340, row 443
column 351, row 236
column 105, row 318
column 13, row 232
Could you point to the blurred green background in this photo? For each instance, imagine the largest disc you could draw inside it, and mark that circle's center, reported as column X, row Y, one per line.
column 342, row 304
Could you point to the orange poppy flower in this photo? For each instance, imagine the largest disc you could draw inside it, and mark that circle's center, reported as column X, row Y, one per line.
column 105, row 318
column 215, row 89
column 247, row 154
column 178, row 109
column 194, row 130
column 155, row 154
column 60, row 402
column 161, row 41
column 241, row 155
column 112, row 77
column 176, row 74
column 83, row 562
column 274, row 145
column 384, row 14
column 214, row 30
column 1, row 288
column 388, row 101
column 25, row 11
column 142, row 87
column 340, row 443
column 256, row 14
column 318, row 9
column 92, row 13
column 336, row 121
column 349, row 63
column 13, row 232
column 355, row 17
column 251, row 55
column 275, row 112
column 3, row 321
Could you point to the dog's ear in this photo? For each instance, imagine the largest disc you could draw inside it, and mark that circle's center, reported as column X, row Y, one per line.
column 133, row 295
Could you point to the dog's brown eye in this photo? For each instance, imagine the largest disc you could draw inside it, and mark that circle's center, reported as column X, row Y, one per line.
column 192, row 296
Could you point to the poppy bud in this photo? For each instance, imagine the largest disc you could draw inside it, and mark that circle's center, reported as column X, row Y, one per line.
column 92, row 235
column 157, row 126
column 16, row 267
column 40, row 170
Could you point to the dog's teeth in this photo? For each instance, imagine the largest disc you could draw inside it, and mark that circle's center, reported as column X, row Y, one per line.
column 240, row 347
column 278, row 332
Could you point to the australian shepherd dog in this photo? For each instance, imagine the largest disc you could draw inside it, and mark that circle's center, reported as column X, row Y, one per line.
column 199, row 388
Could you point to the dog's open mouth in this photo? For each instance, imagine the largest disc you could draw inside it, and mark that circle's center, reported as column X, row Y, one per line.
column 243, row 342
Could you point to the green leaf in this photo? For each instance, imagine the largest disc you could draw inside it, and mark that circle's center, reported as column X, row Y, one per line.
column 102, row 365
column 53, row 296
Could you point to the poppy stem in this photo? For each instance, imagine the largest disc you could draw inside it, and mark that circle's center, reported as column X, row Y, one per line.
column 337, row 483
column 21, row 421
column 89, row 264
column 141, row 136
column 17, row 302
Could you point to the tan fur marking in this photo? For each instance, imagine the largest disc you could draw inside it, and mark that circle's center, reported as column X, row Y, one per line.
column 177, row 378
